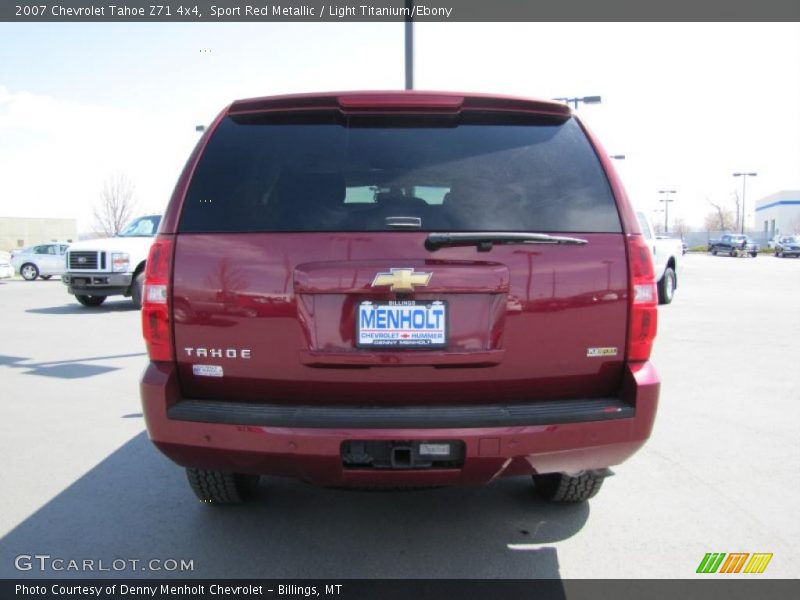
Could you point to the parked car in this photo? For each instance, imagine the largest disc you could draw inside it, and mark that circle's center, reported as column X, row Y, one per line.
column 6, row 268
column 734, row 245
column 788, row 245
column 666, row 257
column 399, row 289
column 684, row 247
column 97, row 269
column 42, row 260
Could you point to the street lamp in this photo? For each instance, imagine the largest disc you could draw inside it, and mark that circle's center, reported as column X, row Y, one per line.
column 666, row 200
column 584, row 99
column 617, row 156
column 199, row 128
column 744, row 177
column 409, row 45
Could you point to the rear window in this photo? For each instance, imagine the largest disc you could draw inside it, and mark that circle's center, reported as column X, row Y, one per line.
column 342, row 176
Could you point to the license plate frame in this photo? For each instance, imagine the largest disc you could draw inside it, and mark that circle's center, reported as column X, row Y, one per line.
column 404, row 338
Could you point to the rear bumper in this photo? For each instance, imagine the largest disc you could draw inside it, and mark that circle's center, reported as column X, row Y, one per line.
column 305, row 442
column 98, row 284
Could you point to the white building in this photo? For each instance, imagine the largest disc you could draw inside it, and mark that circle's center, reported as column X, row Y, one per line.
column 779, row 213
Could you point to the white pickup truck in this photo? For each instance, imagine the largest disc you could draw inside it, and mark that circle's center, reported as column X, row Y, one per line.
column 97, row 269
column 667, row 253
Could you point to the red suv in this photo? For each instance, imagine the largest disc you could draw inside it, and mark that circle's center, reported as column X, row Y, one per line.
column 399, row 289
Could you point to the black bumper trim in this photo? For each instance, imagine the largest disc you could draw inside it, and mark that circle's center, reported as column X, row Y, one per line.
column 98, row 290
column 549, row 412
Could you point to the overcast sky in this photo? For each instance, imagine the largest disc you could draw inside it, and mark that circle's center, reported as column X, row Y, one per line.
column 687, row 104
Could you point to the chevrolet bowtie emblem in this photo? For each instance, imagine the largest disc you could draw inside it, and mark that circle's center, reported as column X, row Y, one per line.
column 401, row 280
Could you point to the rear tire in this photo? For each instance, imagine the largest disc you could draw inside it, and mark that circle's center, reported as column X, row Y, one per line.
column 733, row 252
column 220, row 487
column 90, row 300
column 560, row 487
column 136, row 291
column 666, row 286
column 754, row 254
column 29, row 271
column 714, row 252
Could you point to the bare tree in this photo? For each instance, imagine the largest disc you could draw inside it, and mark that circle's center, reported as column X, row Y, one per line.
column 116, row 205
column 680, row 227
column 719, row 219
column 738, row 209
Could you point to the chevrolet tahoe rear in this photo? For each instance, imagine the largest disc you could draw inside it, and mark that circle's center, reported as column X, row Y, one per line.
column 399, row 289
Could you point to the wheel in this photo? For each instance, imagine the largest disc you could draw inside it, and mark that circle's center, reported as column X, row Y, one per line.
column 560, row 487
column 733, row 252
column 754, row 254
column 29, row 271
column 90, row 300
column 220, row 487
column 45, row 277
column 714, row 252
column 777, row 254
column 666, row 286
column 136, row 290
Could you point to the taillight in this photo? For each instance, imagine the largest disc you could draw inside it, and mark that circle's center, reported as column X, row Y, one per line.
column 643, row 300
column 155, row 306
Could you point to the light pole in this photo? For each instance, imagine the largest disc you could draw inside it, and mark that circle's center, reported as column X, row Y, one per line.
column 584, row 99
column 199, row 128
column 617, row 156
column 409, row 46
column 666, row 200
column 744, row 177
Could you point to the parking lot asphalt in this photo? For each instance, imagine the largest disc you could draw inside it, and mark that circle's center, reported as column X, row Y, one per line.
column 80, row 479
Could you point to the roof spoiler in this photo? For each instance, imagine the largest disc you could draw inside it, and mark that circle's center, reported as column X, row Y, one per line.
column 399, row 101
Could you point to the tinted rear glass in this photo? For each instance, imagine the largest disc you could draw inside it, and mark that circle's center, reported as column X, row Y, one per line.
column 328, row 176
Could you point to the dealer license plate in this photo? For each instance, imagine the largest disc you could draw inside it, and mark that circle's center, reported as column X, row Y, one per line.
column 404, row 323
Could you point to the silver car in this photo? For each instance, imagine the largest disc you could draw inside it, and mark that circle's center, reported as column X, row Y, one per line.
column 42, row 260
column 6, row 270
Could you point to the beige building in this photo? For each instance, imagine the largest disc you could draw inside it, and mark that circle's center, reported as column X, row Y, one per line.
column 18, row 232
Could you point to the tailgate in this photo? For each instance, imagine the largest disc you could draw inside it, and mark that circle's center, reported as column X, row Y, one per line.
column 281, row 323
column 301, row 274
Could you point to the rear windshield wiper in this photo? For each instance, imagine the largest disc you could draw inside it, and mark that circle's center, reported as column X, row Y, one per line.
column 486, row 239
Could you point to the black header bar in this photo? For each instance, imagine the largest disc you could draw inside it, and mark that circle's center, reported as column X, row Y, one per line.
column 368, row 11
column 709, row 588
